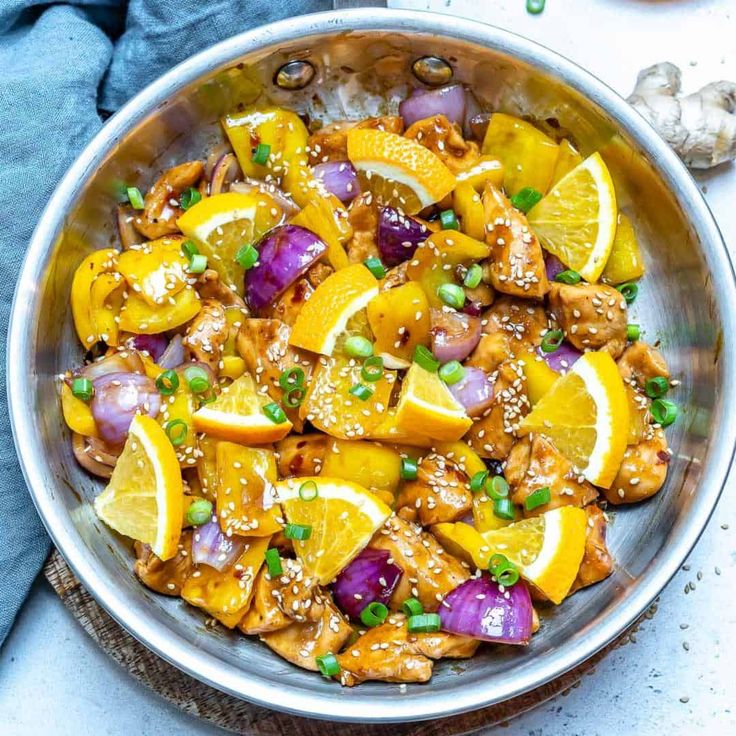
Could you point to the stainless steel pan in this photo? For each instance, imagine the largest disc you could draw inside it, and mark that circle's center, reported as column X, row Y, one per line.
column 361, row 58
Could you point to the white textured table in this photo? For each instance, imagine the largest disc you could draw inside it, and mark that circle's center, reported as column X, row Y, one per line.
column 677, row 677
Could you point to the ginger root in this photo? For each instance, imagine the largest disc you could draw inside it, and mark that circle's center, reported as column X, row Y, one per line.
column 701, row 127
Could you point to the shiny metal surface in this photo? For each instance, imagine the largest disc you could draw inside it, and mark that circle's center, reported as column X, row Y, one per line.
column 688, row 303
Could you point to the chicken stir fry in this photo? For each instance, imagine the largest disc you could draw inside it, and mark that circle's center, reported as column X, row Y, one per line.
column 345, row 381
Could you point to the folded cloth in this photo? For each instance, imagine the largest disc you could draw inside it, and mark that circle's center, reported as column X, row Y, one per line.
column 62, row 62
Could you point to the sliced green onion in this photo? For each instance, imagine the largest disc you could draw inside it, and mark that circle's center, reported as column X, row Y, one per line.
column 504, row 509
column 294, row 397
column 425, row 358
column 408, row 468
column 633, row 332
column 538, row 498
column 197, row 379
column 167, row 382
column 328, row 665
column 424, row 623
column 177, row 431
column 505, row 572
column 135, row 198
column 497, row 488
column 629, row 291
column 274, row 412
column 83, row 389
column 473, row 276
column 477, row 482
column 552, row 340
column 375, row 266
column 189, row 197
column 199, row 512
column 246, row 257
column 361, row 391
column 374, row 614
column 273, row 562
column 198, row 264
column 452, row 372
column 300, row 532
column 291, row 378
column 261, row 153
column 358, row 347
column 372, row 369
column 308, row 490
column 664, row 411
column 568, row 277
column 448, row 219
column 526, row 198
column 656, row 387
column 189, row 249
column 452, row 295
column 412, row 607
column 535, row 7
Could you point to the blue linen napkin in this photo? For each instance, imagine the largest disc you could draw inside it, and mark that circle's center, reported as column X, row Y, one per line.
column 61, row 62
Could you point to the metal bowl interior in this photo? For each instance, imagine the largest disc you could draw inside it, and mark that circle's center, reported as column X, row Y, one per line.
column 362, row 59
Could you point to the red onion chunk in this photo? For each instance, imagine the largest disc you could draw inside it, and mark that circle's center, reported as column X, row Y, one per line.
column 369, row 577
column 398, row 236
column 562, row 359
column 553, row 266
column 474, row 391
column 174, row 353
column 449, row 101
column 454, row 334
column 477, row 608
column 339, row 178
column 211, row 547
column 125, row 361
column 118, row 398
column 154, row 345
column 285, row 254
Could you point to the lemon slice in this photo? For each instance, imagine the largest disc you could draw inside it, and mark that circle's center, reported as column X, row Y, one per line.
column 585, row 414
column 547, row 549
column 342, row 519
column 576, row 221
column 144, row 499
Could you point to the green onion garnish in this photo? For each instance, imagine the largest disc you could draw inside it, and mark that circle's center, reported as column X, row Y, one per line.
column 199, row 512
column 568, row 277
column 328, row 665
column 664, row 411
column 526, row 198
column 633, row 332
column 497, row 488
column 538, row 498
column 300, row 532
column 167, row 382
column 425, row 358
column 189, row 197
column 83, row 389
column 504, row 509
column 274, row 412
column 294, row 397
column 135, row 198
column 477, row 482
column 535, row 7
column 505, row 572
column 358, row 347
column 177, row 431
column 552, row 340
column 408, row 468
column 452, row 295
column 424, row 623
column 273, row 562
column 452, row 372
column 412, row 607
column 656, row 387
column 261, row 153
column 361, row 391
column 291, row 378
column 374, row 614
column 308, row 490
column 197, row 379
column 246, row 257
column 375, row 266
column 473, row 276
column 449, row 220
column 372, row 369
column 198, row 263
column 629, row 291
column 189, row 249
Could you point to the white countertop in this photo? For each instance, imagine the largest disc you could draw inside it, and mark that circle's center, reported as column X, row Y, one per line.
column 677, row 677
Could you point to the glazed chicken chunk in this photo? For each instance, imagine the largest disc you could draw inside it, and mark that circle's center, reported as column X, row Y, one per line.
column 168, row 576
column 642, row 472
column 301, row 454
column 640, row 362
column 446, row 141
column 289, row 304
column 597, row 563
column 210, row 286
column 207, row 334
column 363, row 218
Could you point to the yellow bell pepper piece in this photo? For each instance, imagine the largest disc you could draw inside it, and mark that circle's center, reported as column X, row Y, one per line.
column 389, row 431
column 139, row 317
column 469, row 208
column 233, row 367
column 77, row 414
column 207, row 467
column 328, row 219
column 484, row 518
column 181, row 405
column 369, row 464
column 625, row 262
column 539, row 376
column 93, row 265
column 151, row 368
column 568, row 159
column 464, row 542
column 528, row 156
column 487, row 170
column 106, row 300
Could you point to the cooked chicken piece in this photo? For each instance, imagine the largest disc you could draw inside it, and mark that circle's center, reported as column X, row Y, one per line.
column 446, row 141
column 264, row 346
column 302, row 643
column 318, row 273
column 301, row 455
column 593, row 316
column 209, row 286
column 494, row 432
column 429, row 571
column 363, row 218
column 290, row 303
column 510, row 327
column 439, row 493
column 279, row 601
column 517, row 261
column 533, row 463
column 642, row 472
column 440, row 644
column 640, row 362
column 207, row 334
column 395, row 276
column 168, row 576
column 330, row 143
column 597, row 563
column 162, row 208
